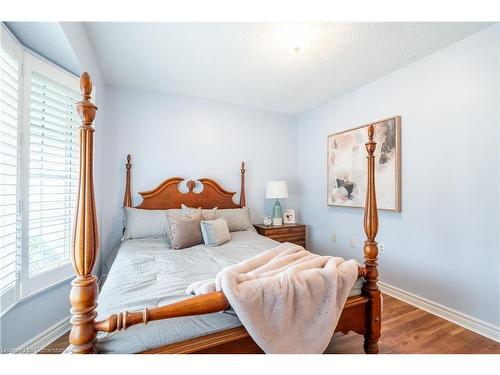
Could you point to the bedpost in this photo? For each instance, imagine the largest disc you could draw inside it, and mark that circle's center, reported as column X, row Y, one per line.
column 84, row 288
column 243, row 201
column 127, row 198
column 370, row 287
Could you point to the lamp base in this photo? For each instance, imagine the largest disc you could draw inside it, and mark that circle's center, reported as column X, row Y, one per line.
column 277, row 213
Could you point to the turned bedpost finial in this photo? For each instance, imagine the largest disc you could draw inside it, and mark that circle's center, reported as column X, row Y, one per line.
column 370, row 286
column 370, row 133
column 127, row 197
column 85, row 108
column 85, row 244
column 243, row 201
column 86, row 84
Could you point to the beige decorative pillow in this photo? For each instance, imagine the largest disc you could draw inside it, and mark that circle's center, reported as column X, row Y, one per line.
column 205, row 214
column 215, row 232
column 184, row 231
column 237, row 218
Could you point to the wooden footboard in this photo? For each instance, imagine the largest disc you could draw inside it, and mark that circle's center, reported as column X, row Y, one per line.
column 238, row 341
column 361, row 314
column 198, row 305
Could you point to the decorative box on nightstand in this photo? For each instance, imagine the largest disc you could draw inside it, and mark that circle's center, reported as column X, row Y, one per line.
column 295, row 233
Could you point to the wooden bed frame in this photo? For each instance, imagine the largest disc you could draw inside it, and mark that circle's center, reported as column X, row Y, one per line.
column 361, row 314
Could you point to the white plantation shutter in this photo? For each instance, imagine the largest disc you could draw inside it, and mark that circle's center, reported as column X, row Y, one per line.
column 53, row 173
column 9, row 140
column 51, row 166
column 39, row 165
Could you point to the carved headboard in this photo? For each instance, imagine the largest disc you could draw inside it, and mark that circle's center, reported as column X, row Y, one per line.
column 167, row 195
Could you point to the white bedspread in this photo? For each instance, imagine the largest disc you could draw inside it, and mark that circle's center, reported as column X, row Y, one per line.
column 146, row 273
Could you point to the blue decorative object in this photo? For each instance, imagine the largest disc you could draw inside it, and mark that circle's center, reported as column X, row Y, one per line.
column 277, row 190
column 277, row 211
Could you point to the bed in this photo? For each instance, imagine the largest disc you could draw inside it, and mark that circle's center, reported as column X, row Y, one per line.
column 147, row 273
column 143, row 307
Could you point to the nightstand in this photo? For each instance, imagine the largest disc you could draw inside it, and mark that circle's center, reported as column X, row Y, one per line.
column 295, row 233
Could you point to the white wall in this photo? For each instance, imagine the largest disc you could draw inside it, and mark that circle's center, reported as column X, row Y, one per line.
column 169, row 135
column 444, row 246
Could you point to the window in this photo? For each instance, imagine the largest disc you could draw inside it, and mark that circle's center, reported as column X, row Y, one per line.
column 53, row 173
column 39, row 164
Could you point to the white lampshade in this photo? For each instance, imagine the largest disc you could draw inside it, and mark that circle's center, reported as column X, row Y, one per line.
column 276, row 189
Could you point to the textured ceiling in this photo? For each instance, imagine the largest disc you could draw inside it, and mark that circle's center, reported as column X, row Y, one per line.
column 254, row 64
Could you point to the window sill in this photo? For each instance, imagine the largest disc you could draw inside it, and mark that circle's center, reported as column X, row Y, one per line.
column 37, row 293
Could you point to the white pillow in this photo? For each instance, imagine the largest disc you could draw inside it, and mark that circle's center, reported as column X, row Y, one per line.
column 145, row 223
column 236, row 218
column 215, row 232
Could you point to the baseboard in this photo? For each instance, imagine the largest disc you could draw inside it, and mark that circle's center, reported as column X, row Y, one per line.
column 481, row 327
column 40, row 341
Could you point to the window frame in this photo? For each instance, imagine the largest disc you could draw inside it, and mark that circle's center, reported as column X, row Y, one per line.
column 12, row 46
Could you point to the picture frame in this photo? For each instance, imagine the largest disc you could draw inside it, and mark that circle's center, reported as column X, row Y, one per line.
column 289, row 216
column 346, row 165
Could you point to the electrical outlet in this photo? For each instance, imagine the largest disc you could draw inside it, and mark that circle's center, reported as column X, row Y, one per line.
column 352, row 243
column 381, row 248
column 334, row 237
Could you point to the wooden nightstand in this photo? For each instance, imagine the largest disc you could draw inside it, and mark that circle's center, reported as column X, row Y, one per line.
column 295, row 233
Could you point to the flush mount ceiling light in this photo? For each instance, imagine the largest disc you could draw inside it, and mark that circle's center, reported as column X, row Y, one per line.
column 296, row 38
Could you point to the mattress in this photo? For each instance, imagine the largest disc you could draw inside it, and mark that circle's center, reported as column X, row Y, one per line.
column 146, row 273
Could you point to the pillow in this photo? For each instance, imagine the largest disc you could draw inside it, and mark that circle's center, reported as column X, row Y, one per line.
column 215, row 232
column 184, row 231
column 144, row 223
column 236, row 218
column 205, row 214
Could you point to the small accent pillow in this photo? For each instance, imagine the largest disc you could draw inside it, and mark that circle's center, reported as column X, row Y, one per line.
column 144, row 223
column 205, row 214
column 184, row 231
column 215, row 232
column 236, row 218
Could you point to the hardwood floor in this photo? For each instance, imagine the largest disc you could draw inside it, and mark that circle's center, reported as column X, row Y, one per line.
column 405, row 330
column 409, row 330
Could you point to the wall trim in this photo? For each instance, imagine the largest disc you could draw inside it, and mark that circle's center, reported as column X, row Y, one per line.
column 40, row 341
column 466, row 321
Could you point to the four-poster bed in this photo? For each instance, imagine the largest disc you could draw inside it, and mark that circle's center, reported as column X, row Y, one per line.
column 361, row 313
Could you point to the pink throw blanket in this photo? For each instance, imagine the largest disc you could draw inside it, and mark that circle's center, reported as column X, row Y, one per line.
column 287, row 298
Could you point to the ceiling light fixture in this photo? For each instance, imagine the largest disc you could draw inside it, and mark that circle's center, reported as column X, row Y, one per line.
column 295, row 37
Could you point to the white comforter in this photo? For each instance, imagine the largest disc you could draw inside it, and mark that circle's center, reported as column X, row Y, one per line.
column 146, row 273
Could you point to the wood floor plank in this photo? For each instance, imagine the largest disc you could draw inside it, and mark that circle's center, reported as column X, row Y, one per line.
column 405, row 330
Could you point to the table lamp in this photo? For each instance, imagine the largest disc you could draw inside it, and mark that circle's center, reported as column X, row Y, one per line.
column 277, row 190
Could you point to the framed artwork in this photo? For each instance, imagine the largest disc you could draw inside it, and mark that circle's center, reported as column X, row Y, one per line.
column 347, row 166
column 289, row 216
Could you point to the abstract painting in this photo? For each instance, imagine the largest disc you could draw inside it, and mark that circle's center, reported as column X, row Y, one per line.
column 347, row 166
